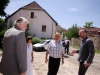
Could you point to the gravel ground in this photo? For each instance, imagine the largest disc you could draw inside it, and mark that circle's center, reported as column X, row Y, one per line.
column 70, row 66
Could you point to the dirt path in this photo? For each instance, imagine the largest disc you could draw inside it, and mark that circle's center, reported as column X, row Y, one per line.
column 69, row 68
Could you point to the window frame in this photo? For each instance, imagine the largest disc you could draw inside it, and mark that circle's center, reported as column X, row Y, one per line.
column 32, row 15
column 43, row 28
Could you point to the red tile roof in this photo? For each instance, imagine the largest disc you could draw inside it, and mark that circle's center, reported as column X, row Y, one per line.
column 91, row 29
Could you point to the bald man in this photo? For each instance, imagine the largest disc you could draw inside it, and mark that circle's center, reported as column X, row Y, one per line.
column 86, row 52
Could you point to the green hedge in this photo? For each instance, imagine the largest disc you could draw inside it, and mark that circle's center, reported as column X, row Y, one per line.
column 36, row 40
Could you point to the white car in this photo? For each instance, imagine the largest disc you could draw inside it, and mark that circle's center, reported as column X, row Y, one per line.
column 41, row 46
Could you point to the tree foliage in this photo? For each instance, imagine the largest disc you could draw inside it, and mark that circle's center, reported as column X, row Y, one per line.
column 88, row 25
column 3, row 5
column 27, row 31
column 73, row 32
column 62, row 31
column 2, row 31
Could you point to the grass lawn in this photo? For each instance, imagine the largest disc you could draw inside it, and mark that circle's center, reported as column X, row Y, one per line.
column 76, row 47
column 97, row 51
column 0, row 50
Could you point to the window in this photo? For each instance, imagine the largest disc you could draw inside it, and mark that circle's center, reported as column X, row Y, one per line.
column 43, row 28
column 32, row 14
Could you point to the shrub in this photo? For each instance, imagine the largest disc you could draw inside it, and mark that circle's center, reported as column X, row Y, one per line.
column 2, row 31
column 73, row 32
column 42, row 38
column 36, row 40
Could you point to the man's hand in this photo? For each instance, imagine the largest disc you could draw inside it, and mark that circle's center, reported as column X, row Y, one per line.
column 46, row 60
column 86, row 64
column 23, row 73
column 63, row 61
column 73, row 52
column 32, row 59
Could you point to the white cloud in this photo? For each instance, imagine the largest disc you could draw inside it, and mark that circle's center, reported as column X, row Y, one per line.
column 75, row 6
column 72, row 9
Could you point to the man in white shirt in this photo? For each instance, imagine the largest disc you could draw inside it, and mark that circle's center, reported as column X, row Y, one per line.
column 56, row 52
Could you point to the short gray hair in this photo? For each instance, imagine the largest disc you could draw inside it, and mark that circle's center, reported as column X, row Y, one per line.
column 21, row 20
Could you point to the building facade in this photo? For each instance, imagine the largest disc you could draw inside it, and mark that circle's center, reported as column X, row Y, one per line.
column 41, row 24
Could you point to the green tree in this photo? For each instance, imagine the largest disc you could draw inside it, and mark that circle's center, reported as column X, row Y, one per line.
column 73, row 32
column 27, row 31
column 3, row 5
column 62, row 31
column 2, row 31
column 88, row 25
column 68, row 35
column 10, row 24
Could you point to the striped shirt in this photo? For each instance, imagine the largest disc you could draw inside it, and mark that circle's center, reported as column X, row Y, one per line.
column 55, row 49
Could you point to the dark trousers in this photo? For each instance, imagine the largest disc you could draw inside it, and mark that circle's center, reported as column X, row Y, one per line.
column 53, row 66
column 67, row 47
column 82, row 69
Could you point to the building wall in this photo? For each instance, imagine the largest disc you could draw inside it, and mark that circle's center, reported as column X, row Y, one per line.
column 96, row 41
column 35, row 26
column 92, row 31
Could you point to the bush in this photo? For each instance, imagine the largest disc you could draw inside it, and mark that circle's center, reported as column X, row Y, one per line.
column 35, row 40
column 2, row 31
column 73, row 32
column 42, row 38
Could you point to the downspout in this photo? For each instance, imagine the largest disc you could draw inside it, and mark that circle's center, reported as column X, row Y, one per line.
column 52, row 31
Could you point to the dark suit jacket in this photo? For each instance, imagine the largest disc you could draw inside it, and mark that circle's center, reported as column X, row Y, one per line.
column 86, row 52
column 14, row 58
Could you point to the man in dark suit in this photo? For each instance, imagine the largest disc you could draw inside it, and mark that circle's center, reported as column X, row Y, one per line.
column 86, row 52
column 14, row 57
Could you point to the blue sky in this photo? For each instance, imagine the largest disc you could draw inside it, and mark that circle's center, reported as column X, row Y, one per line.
column 65, row 12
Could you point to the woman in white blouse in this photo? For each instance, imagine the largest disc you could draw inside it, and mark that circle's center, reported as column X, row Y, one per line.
column 29, row 56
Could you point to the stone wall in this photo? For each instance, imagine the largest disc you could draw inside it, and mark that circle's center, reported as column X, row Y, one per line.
column 96, row 41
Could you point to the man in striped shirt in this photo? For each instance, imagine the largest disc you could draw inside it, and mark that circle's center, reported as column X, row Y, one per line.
column 56, row 52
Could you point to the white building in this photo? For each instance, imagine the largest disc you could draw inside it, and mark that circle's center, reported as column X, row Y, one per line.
column 42, row 25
